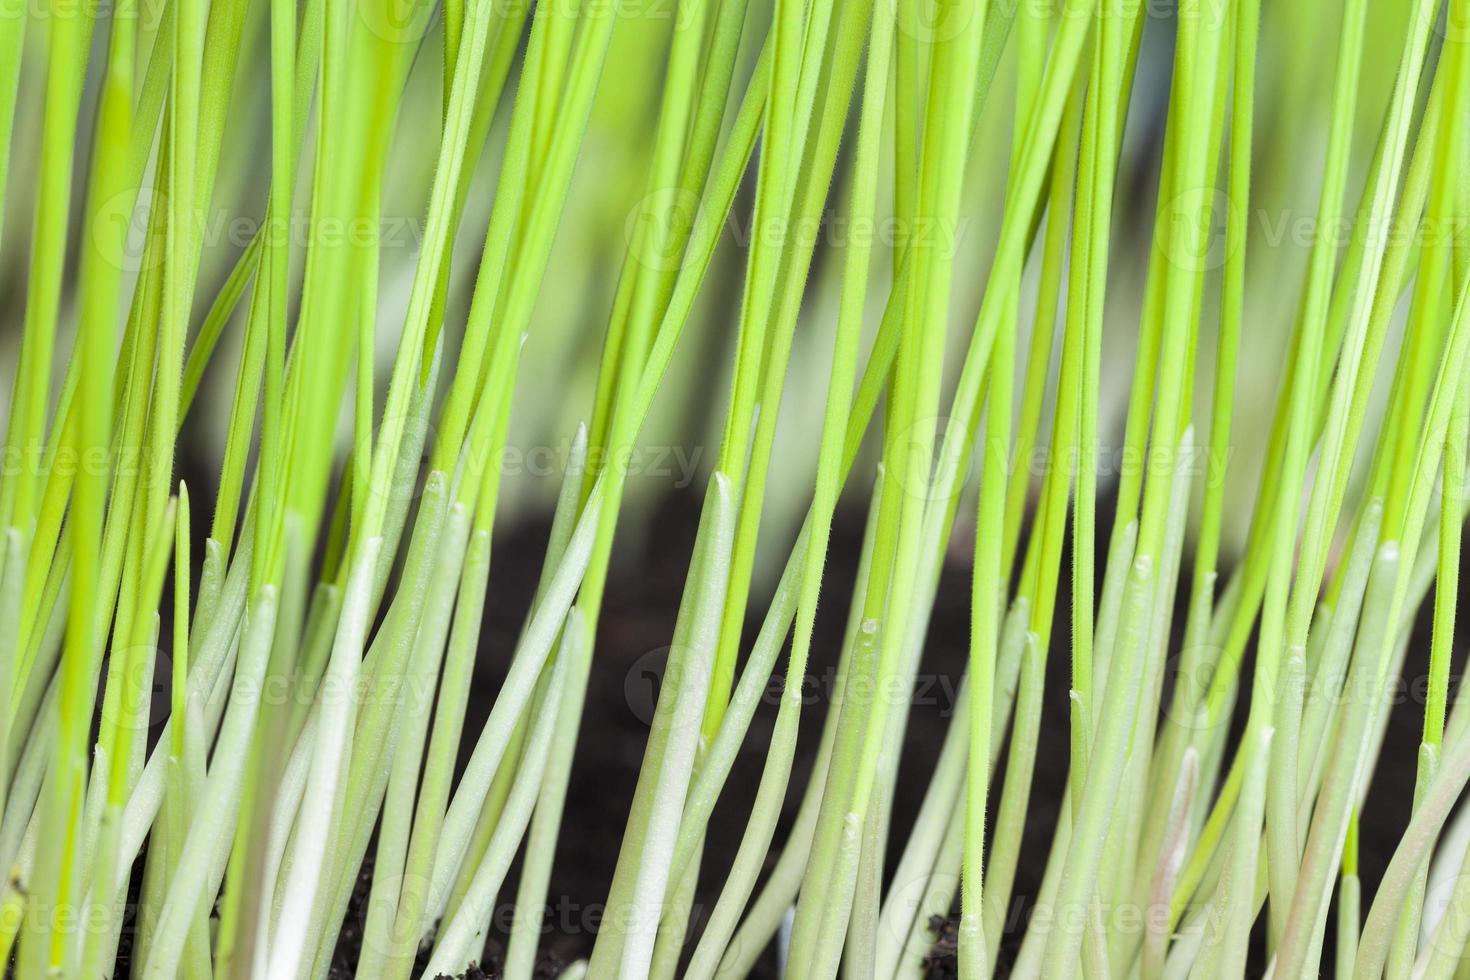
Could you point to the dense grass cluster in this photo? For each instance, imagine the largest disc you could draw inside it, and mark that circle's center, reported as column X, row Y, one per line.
column 1149, row 320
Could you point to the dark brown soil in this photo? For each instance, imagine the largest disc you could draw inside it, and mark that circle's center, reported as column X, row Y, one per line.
column 637, row 621
column 638, row 618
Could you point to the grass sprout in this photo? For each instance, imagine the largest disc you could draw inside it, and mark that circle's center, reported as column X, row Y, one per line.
column 382, row 373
